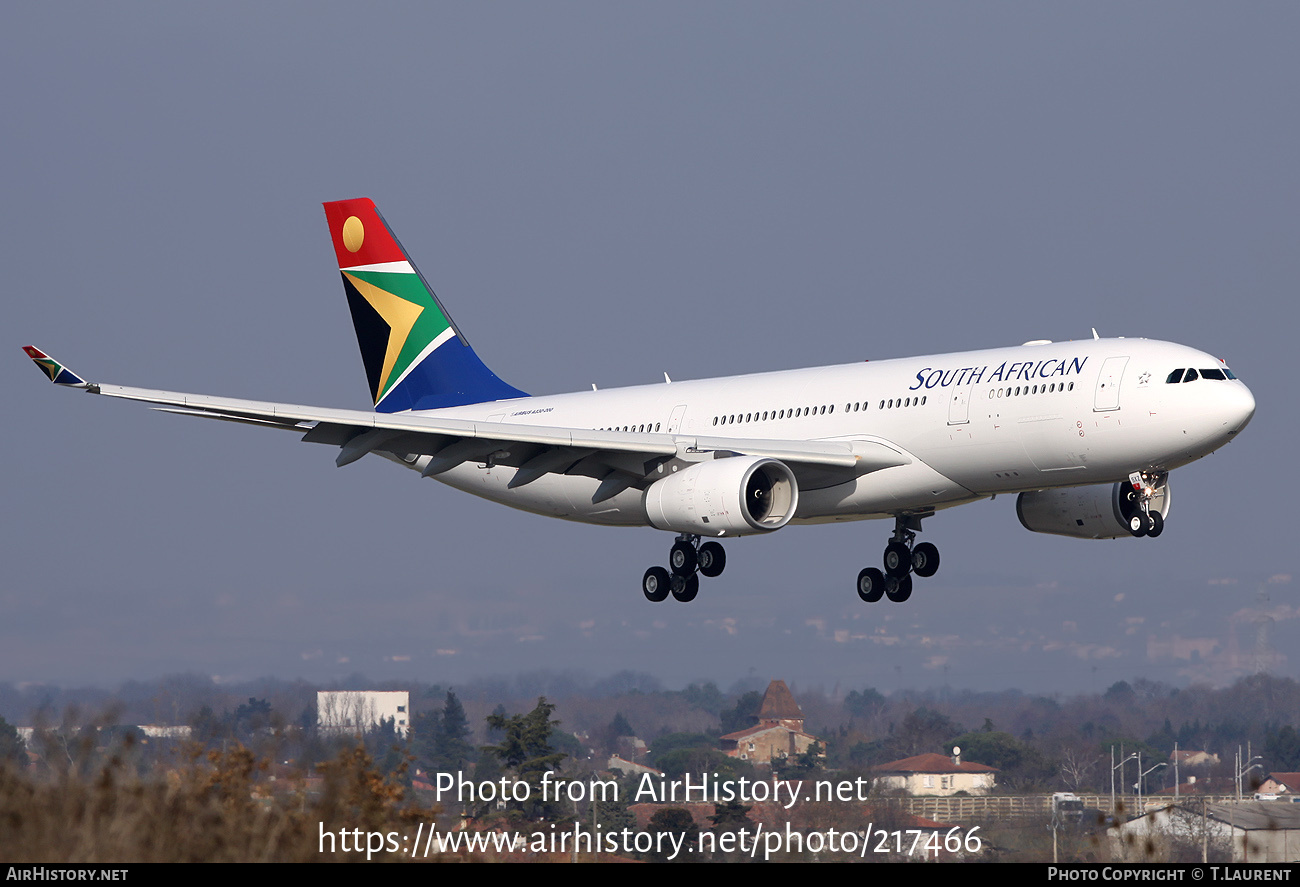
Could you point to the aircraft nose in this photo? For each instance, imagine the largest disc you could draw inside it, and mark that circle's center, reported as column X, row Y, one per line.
column 1241, row 408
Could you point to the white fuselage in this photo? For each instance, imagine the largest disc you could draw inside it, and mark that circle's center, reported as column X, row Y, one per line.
column 974, row 424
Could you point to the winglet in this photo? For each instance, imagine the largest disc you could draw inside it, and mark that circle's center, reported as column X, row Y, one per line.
column 58, row 373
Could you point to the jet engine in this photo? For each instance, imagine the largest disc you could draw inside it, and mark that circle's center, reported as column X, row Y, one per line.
column 734, row 496
column 1097, row 512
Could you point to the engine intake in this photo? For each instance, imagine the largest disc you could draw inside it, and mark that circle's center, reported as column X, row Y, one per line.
column 735, row 496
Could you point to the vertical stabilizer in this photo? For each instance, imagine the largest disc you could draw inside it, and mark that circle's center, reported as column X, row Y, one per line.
column 415, row 357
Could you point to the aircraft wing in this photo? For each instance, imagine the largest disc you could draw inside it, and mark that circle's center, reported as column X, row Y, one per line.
column 618, row 459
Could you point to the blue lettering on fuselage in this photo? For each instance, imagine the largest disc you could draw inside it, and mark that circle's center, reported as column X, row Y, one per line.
column 932, row 377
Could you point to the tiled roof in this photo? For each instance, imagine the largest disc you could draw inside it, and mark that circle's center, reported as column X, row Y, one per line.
column 778, row 703
column 756, row 730
column 1290, row 780
column 932, row 763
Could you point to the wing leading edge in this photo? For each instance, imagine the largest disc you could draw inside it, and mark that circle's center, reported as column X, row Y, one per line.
column 620, row 460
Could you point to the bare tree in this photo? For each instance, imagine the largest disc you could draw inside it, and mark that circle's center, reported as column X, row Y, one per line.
column 1075, row 766
column 346, row 711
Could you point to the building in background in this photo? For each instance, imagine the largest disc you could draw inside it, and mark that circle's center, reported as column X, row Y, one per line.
column 778, row 734
column 358, row 711
column 934, row 774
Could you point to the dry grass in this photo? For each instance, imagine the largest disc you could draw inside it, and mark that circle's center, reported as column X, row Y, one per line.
column 213, row 807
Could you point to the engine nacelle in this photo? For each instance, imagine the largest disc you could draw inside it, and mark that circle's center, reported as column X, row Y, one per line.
column 735, row 496
column 1096, row 512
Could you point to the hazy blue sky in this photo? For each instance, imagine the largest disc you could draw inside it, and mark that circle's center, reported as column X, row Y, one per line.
column 601, row 193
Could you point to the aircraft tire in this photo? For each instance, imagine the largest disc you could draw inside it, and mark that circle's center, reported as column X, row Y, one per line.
column 712, row 559
column 682, row 559
column 901, row 591
column 871, row 585
column 1157, row 525
column 925, row 560
column 898, row 560
column 689, row 588
column 656, row 584
column 1137, row 524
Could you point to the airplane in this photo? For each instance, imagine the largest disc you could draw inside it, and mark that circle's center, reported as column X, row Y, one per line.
column 1084, row 432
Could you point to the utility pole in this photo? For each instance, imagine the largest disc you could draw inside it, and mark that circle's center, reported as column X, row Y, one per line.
column 1113, row 768
column 1176, row 779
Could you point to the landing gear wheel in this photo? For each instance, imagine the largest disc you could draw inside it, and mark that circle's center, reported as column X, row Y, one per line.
column 925, row 560
column 1155, row 524
column 898, row 560
column 682, row 559
column 656, row 584
column 712, row 559
column 898, row 590
column 685, row 588
column 1137, row 524
column 871, row 585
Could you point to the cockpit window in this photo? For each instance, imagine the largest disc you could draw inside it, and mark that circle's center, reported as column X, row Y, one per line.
column 1187, row 375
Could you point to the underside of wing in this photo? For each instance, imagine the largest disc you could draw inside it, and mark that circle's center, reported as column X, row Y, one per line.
column 619, row 459
column 434, row 444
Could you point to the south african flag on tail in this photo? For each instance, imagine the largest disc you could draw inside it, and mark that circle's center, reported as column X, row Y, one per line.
column 58, row 373
column 415, row 357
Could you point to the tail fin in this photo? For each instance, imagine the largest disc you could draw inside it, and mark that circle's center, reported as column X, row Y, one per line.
column 415, row 357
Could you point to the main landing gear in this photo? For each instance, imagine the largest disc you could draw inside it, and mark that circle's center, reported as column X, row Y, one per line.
column 1135, row 503
column 687, row 560
column 902, row 559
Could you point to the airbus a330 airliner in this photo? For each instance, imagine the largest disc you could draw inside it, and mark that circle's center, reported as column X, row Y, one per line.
column 1086, row 432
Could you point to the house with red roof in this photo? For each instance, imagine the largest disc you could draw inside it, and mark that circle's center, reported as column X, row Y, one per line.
column 933, row 774
column 1285, row 783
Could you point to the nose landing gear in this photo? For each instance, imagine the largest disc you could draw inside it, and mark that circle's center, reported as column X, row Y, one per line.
column 687, row 560
column 1135, row 503
column 902, row 559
